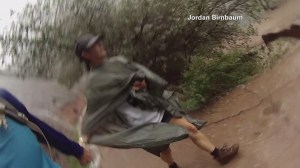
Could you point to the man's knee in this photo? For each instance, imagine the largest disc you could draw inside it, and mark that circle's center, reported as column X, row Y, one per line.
column 184, row 123
column 192, row 129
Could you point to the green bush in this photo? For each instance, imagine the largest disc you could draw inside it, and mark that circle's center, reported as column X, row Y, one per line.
column 210, row 74
column 154, row 33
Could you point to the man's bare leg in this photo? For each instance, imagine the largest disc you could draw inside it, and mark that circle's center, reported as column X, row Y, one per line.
column 222, row 155
column 195, row 135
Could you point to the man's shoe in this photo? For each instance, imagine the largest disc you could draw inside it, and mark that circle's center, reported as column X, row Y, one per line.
column 226, row 154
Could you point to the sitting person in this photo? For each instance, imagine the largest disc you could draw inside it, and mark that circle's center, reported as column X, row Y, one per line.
column 21, row 132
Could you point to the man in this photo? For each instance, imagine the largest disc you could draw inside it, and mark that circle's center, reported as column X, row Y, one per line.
column 128, row 107
column 19, row 144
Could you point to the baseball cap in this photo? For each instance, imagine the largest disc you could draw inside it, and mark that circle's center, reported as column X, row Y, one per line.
column 85, row 42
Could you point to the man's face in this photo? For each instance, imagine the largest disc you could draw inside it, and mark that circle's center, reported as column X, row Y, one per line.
column 96, row 54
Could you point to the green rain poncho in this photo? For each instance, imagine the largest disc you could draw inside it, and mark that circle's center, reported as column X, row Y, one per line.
column 110, row 85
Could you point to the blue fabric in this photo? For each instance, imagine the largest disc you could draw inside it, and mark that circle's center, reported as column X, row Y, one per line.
column 19, row 148
column 55, row 138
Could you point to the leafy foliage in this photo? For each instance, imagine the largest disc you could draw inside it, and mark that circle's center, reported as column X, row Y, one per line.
column 210, row 74
column 152, row 32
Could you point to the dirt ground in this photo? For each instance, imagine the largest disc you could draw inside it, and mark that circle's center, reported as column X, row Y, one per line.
column 262, row 116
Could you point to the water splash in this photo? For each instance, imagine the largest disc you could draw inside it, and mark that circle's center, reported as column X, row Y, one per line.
column 95, row 153
column 38, row 96
column 94, row 149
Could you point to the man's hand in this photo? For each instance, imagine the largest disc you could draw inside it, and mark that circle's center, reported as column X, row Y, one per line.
column 139, row 85
column 85, row 158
